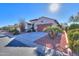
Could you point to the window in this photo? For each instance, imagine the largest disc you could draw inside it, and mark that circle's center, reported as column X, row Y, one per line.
column 42, row 21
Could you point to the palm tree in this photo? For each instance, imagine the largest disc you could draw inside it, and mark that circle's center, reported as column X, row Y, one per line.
column 22, row 25
column 52, row 30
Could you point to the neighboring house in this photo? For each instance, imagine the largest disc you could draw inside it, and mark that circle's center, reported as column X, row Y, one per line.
column 39, row 24
column 4, row 32
column 43, row 22
column 28, row 26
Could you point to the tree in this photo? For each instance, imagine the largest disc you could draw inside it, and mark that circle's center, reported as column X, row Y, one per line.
column 14, row 31
column 22, row 25
column 0, row 28
column 71, row 19
column 75, row 18
column 53, row 29
column 74, row 26
column 5, row 28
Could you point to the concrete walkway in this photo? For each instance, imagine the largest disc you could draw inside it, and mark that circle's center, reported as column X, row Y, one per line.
column 4, row 41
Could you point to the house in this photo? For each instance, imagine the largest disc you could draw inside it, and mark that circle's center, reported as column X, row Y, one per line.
column 43, row 22
column 39, row 24
column 39, row 39
column 4, row 32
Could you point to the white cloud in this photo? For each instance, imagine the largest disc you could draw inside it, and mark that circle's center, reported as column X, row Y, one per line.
column 55, row 7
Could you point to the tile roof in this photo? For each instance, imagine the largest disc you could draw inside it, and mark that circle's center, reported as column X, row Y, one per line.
column 27, row 39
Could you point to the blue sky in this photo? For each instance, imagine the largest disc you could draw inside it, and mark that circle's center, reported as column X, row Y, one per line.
column 12, row 13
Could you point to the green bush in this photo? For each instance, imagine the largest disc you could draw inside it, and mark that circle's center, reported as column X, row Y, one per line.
column 73, row 36
column 74, row 26
column 14, row 31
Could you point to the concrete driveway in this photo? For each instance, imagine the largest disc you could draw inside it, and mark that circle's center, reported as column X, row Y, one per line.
column 17, row 51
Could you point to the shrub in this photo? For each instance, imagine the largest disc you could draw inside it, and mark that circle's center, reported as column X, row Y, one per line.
column 74, row 26
column 14, row 31
column 73, row 36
